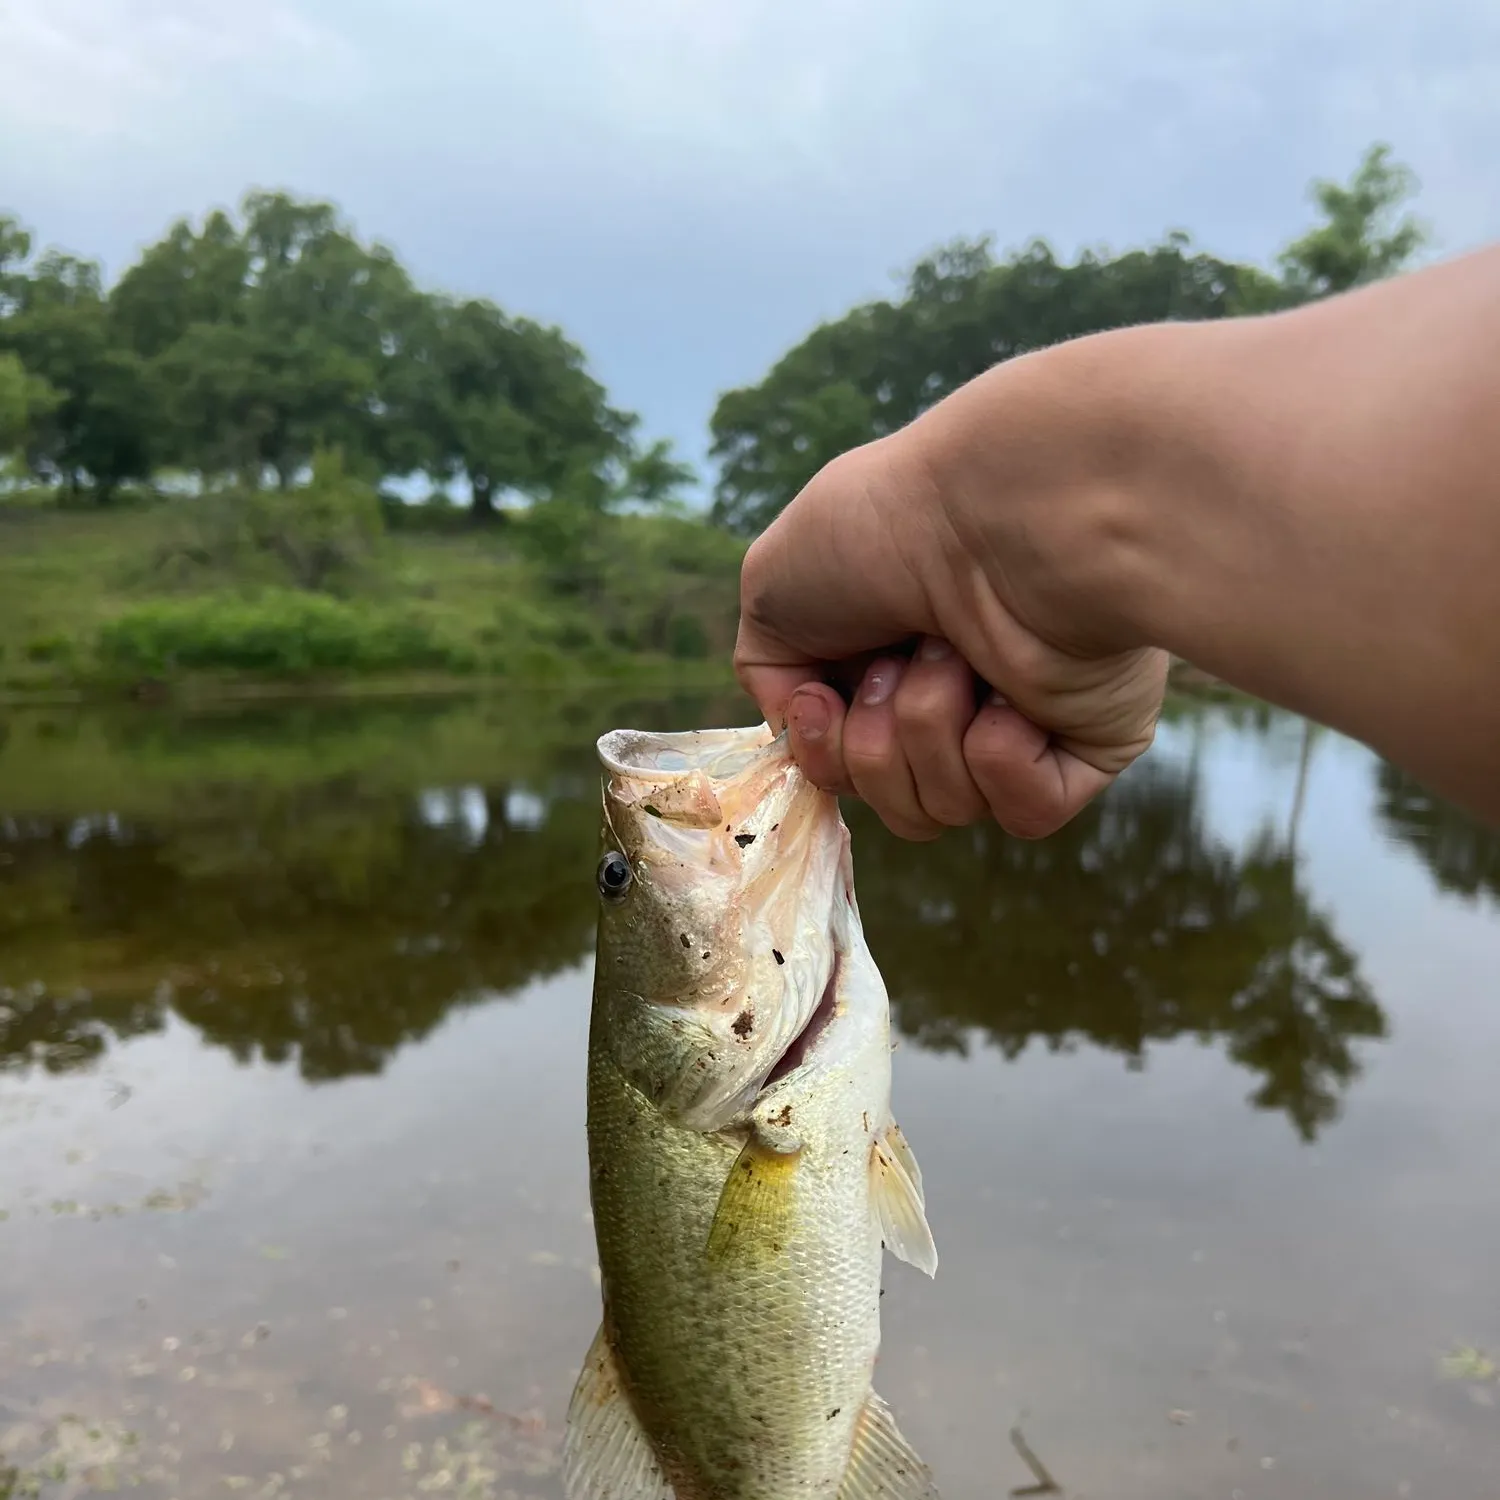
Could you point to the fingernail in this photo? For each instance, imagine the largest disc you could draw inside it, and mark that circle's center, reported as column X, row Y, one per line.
column 999, row 700
column 808, row 716
column 935, row 648
column 880, row 682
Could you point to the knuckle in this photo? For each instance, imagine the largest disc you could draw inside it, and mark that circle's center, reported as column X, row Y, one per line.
column 1029, row 826
column 954, row 811
column 990, row 764
column 910, row 829
column 921, row 700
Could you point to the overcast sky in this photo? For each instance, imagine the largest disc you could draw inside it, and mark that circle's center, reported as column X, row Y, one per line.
column 687, row 186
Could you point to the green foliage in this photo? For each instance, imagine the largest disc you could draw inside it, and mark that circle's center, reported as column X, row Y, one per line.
column 277, row 634
column 324, row 530
column 661, row 586
column 319, row 536
column 95, row 415
column 502, row 404
column 239, row 348
column 26, row 402
column 1362, row 237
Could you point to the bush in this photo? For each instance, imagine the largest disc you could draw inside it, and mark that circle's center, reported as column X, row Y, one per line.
column 687, row 638
column 49, row 648
column 278, row 634
column 316, row 536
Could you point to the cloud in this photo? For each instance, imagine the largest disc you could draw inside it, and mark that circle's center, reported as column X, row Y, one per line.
column 122, row 69
column 688, row 187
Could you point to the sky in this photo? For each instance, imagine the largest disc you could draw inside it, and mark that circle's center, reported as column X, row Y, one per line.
column 689, row 186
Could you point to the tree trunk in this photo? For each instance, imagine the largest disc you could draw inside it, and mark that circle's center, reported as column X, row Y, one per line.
column 482, row 507
column 1299, row 796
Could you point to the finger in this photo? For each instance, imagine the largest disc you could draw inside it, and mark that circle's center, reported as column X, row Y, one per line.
column 934, row 706
column 1032, row 786
column 771, row 686
column 815, row 728
column 877, row 768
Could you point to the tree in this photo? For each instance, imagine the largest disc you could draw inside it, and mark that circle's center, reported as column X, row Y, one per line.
column 503, row 404
column 102, row 425
column 187, row 278
column 26, row 401
column 1362, row 237
column 271, row 339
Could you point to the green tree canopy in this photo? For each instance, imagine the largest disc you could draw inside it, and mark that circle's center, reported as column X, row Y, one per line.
column 98, row 422
column 238, row 347
column 504, row 404
column 1362, row 236
column 26, row 401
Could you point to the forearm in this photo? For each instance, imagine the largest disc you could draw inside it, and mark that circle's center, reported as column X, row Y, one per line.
column 1307, row 505
column 1322, row 507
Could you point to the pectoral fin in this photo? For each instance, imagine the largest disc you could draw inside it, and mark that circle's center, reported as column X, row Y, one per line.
column 606, row 1453
column 897, row 1197
column 754, row 1216
column 883, row 1465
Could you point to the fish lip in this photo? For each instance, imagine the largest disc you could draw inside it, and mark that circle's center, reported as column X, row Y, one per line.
column 669, row 755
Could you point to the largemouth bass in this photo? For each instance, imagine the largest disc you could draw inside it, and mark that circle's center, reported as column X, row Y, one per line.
column 746, row 1171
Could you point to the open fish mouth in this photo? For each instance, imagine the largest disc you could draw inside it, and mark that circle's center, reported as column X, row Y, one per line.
column 718, row 754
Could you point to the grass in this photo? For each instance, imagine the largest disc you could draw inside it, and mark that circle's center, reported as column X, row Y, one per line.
column 104, row 603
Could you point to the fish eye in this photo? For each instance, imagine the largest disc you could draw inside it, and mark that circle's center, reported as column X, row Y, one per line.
column 615, row 876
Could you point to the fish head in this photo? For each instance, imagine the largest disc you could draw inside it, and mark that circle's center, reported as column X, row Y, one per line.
column 720, row 879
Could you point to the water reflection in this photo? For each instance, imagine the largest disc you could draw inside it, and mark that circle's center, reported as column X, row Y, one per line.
column 322, row 929
column 1462, row 856
column 1132, row 925
column 325, row 922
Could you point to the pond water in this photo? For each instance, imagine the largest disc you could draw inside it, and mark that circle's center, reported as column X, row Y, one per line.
column 292, row 1175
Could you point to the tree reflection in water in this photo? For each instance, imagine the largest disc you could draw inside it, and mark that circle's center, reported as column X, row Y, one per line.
column 329, row 923
column 1131, row 925
column 1462, row 855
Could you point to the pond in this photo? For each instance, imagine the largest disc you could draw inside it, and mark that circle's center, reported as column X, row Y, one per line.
column 292, row 1166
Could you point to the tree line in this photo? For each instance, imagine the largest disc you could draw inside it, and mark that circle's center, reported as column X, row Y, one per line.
column 237, row 349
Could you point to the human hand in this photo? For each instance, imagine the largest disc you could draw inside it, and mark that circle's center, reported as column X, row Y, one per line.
column 981, row 682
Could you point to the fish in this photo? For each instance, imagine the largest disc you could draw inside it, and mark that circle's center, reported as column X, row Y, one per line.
column 746, row 1172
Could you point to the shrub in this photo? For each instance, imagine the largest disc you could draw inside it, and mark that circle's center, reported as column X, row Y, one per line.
column 687, row 638
column 278, row 634
column 49, row 648
column 316, row 536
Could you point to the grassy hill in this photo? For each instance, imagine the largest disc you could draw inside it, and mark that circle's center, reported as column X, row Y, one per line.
column 220, row 595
